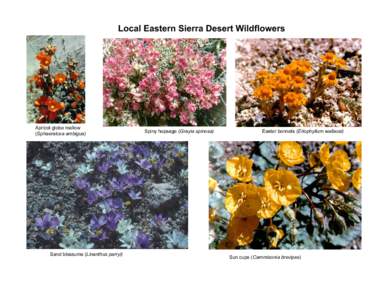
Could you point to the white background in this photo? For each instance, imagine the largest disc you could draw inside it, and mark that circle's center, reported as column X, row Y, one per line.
column 197, row 272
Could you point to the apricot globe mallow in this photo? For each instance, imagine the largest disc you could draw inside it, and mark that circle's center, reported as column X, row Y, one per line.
column 241, row 200
column 290, row 153
column 240, row 168
column 284, row 185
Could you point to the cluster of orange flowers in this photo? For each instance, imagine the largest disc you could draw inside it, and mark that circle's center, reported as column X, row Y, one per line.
column 71, row 108
column 287, row 84
column 248, row 203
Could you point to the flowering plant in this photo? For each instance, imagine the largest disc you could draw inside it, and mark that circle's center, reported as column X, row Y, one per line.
column 115, row 195
column 285, row 195
column 153, row 82
column 299, row 82
column 57, row 88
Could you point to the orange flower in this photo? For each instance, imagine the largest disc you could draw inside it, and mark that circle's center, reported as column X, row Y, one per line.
column 74, row 104
column 242, row 230
column 283, row 82
column 74, row 75
column 38, row 81
column 294, row 100
column 59, row 78
column 80, row 118
column 263, row 92
column 340, row 63
column 44, row 58
column 329, row 57
column 42, row 100
column 298, row 82
column 262, row 74
column 302, row 66
column 330, row 79
column 81, row 84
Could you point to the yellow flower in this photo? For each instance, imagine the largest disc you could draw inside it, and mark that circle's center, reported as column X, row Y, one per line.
column 359, row 150
column 303, row 66
column 356, row 179
column 340, row 63
column 263, row 92
column 324, row 154
column 341, row 143
column 212, row 185
column 274, row 235
column 339, row 160
column 240, row 168
column 337, row 167
column 241, row 200
column 330, row 79
column 227, row 244
column 294, row 100
column 329, row 57
column 282, row 81
column 339, row 179
column 314, row 159
column 290, row 153
column 262, row 74
column 284, row 184
column 298, row 82
column 242, row 230
column 212, row 215
column 268, row 207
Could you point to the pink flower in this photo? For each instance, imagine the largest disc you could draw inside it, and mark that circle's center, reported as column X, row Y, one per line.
column 191, row 107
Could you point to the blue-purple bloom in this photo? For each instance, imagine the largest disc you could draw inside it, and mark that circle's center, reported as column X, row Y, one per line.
column 104, row 192
column 92, row 197
column 112, row 219
column 104, row 167
column 142, row 240
column 114, row 203
column 144, row 164
column 118, row 184
column 81, row 183
column 48, row 221
column 135, row 195
column 97, row 223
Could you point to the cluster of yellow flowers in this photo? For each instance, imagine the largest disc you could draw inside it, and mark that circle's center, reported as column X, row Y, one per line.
column 337, row 166
column 287, row 84
column 247, row 203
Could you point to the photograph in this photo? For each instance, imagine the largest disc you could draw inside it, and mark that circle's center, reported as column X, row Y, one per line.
column 56, row 79
column 285, row 195
column 164, row 82
column 107, row 195
column 298, row 82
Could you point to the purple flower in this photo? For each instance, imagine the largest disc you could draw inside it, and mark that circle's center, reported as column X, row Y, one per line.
column 104, row 167
column 141, row 150
column 92, row 197
column 48, row 221
column 82, row 183
column 134, row 195
column 142, row 240
column 97, row 223
column 144, row 164
column 112, row 219
column 118, row 185
column 114, row 203
column 104, row 192
column 132, row 180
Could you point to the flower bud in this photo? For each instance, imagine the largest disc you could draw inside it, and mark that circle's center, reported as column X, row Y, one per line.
column 289, row 213
column 319, row 216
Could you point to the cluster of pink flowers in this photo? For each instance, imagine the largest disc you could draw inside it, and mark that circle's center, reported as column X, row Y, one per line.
column 162, row 79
